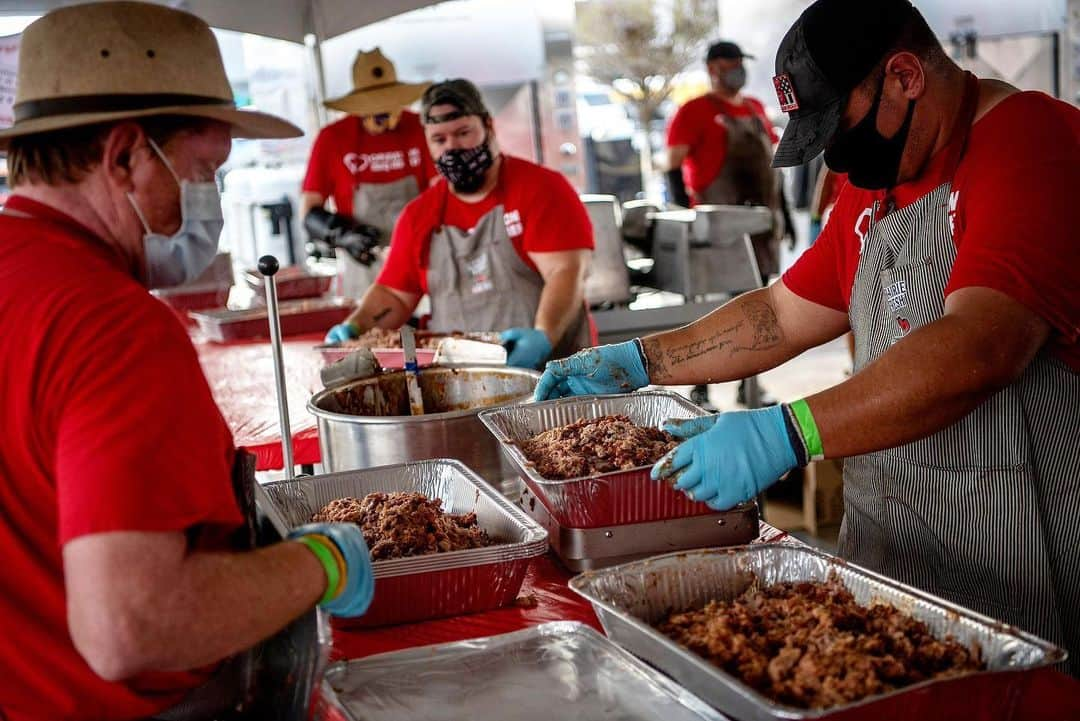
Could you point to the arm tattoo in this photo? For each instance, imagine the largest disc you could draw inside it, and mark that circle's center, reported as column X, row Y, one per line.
column 380, row 315
column 767, row 331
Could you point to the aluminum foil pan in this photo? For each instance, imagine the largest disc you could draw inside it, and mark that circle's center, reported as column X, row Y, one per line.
column 553, row 671
column 605, row 499
column 437, row 584
column 630, row 598
column 296, row 316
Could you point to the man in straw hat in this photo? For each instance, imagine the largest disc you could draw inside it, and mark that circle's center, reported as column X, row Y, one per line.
column 500, row 244
column 371, row 163
column 117, row 511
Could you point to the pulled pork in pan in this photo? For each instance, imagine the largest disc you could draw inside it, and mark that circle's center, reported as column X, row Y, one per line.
column 397, row 525
column 810, row 645
column 600, row 445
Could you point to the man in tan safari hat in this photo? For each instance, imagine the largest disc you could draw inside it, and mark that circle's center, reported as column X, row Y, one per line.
column 128, row 587
column 372, row 163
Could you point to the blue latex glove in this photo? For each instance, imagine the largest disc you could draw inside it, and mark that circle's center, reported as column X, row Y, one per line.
column 359, row 586
column 815, row 229
column 606, row 369
column 727, row 458
column 342, row 332
column 526, row 347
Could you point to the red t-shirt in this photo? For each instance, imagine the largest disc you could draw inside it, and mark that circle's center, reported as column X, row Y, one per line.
column 700, row 124
column 541, row 210
column 108, row 425
column 1014, row 222
column 345, row 155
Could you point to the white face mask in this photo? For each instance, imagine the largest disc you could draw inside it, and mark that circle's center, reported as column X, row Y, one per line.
column 181, row 257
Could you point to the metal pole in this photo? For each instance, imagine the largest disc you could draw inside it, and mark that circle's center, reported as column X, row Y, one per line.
column 268, row 266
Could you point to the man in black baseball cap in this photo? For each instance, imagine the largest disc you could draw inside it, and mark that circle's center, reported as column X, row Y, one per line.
column 951, row 256
column 502, row 245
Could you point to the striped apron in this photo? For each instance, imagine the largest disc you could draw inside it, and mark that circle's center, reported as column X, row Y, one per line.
column 986, row 512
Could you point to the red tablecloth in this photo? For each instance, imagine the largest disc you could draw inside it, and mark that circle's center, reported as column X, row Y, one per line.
column 241, row 377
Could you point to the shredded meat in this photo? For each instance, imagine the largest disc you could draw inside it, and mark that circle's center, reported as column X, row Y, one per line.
column 601, row 445
column 386, row 338
column 811, row 645
column 396, row 525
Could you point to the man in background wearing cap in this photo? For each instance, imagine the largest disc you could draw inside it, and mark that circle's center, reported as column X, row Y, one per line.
column 371, row 163
column 952, row 257
column 501, row 244
column 127, row 570
column 720, row 153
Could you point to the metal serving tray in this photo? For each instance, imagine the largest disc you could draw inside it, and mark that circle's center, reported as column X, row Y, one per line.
column 297, row 316
column 437, row 584
column 556, row 670
column 605, row 499
column 630, row 598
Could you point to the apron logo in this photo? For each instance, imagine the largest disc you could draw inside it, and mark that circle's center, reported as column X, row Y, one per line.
column 479, row 270
column 414, row 157
column 904, row 328
column 514, row 225
column 375, row 162
column 896, row 295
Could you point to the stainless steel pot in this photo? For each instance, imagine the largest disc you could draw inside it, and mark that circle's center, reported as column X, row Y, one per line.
column 367, row 423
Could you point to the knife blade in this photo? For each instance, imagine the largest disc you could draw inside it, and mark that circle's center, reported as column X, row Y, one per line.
column 412, row 383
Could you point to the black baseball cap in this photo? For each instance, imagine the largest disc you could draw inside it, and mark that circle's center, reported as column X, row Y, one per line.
column 727, row 50
column 825, row 55
column 459, row 93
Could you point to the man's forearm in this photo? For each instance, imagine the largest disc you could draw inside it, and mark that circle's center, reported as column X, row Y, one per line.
column 560, row 302
column 739, row 339
column 379, row 308
column 924, row 383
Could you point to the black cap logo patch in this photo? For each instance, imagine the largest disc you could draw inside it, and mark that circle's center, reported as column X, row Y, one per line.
column 785, row 93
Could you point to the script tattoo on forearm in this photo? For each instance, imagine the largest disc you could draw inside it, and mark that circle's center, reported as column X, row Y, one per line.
column 767, row 331
column 654, row 355
column 695, row 349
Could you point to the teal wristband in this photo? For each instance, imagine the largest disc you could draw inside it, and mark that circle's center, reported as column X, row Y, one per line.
column 808, row 429
column 329, row 564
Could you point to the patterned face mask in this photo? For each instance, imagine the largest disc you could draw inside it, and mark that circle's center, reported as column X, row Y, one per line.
column 466, row 168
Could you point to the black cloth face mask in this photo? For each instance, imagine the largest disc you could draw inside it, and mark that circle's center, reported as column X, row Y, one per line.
column 466, row 168
column 871, row 160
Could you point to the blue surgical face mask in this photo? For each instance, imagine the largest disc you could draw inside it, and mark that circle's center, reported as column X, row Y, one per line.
column 183, row 256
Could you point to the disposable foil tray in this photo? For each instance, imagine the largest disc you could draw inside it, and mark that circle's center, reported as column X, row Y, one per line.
column 394, row 358
column 630, row 598
column 604, row 499
column 297, row 316
column 553, row 671
column 292, row 282
column 437, row 584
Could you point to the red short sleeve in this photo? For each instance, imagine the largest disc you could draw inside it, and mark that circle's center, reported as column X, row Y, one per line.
column 402, row 268
column 684, row 128
column 140, row 443
column 814, row 276
column 557, row 220
column 1016, row 211
column 319, row 178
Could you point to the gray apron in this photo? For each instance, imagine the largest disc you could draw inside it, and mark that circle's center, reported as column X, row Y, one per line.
column 377, row 204
column 748, row 178
column 478, row 282
column 986, row 512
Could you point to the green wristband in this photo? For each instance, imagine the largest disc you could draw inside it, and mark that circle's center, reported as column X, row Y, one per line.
column 329, row 564
column 809, row 430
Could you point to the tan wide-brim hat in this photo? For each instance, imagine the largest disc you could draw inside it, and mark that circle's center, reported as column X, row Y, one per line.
column 376, row 89
column 101, row 62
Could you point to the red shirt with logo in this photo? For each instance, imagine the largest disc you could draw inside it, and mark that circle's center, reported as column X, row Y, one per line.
column 346, row 155
column 108, row 425
column 542, row 212
column 1014, row 212
column 700, row 125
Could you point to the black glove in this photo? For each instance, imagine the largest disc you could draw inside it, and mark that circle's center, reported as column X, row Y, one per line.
column 677, row 187
column 341, row 231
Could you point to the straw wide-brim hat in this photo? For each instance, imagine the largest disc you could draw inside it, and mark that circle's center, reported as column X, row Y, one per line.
column 376, row 88
column 101, row 62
